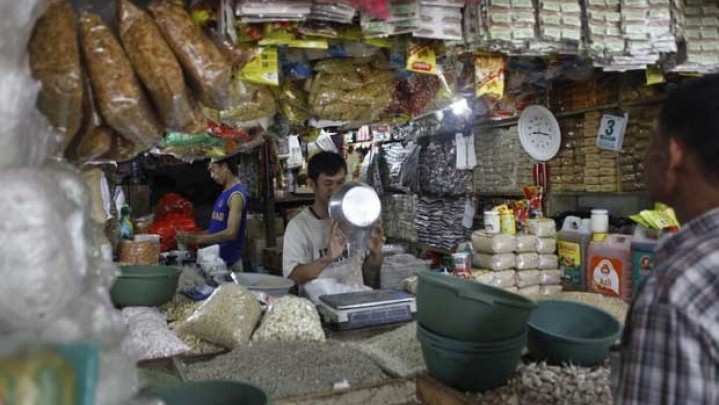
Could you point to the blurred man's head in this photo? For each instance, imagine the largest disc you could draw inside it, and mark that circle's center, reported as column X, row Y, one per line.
column 683, row 157
column 223, row 170
column 326, row 172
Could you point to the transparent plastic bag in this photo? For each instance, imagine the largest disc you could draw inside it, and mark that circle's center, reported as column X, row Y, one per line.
column 527, row 278
column 550, row 289
column 118, row 93
column 148, row 336
column 55, row 61
column 500, row 279
column 527, row 261
column 484, row 242
column 227, row 318
column 526, row 243
column 548, row 262
column 546, row 246
column 533, row 290
column 497, row 262
column 157, row 67
column 289, row 319
column 208, row 69
column 543, row 227
column 547, row 277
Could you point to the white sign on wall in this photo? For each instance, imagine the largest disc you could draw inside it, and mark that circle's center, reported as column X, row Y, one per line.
column 611, row 132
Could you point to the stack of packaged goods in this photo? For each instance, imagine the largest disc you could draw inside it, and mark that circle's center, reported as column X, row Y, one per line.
column 439, row 222
column 440, row 20
column 510, row 23
column 560, row 24
column 403, row 18
column 566, row 170
column 600, row 166
column 604, row 31
column 698, row 22
column 647, row 29
column 439, row 175
column 350, row 89
column 502, row 165
column 527, row 260
column 573, row 96
column 544, row 235
column 398, row 216
column 636, row 142
column 494, row 260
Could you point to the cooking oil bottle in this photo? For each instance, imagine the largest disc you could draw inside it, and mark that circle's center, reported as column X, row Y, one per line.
column 609, row 266
column 572, row 243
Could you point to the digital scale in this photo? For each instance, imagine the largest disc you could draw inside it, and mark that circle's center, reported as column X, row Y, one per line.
column 366, row 308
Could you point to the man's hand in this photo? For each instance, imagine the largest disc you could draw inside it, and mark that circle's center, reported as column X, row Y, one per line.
column 188, row 238
column 337, row 243
column 375, row 244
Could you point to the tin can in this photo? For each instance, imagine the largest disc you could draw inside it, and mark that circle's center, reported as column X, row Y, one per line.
column 491, row 222
column 508, row 223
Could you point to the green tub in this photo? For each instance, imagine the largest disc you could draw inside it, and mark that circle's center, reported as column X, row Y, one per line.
column 570, row 332
column 144, row 286
column 469, row 311
column 213, row 393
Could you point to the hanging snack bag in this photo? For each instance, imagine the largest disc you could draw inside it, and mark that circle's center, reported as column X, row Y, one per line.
column 55, row 61
column 158, row 69
column 117, row 91
column 206, row 66
column 489, row 76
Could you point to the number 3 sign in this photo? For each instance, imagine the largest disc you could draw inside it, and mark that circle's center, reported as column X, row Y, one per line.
column 611, row 132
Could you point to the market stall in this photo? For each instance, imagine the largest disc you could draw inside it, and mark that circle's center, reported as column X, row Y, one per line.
column 498, row 144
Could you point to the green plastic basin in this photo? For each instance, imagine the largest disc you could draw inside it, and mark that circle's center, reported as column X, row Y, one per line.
column 470, row 371
column 213, row 393
column 469, row 311
column 570, row 332
column 144, row 286
column 471, row 347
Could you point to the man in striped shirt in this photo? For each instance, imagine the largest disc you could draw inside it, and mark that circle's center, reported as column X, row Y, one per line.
column 670, row 347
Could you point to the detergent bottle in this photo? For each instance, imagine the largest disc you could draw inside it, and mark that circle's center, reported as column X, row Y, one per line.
column 609, row 266
column 572, row 244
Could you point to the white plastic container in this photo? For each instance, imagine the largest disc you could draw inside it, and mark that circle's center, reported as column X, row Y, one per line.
column 609, row 270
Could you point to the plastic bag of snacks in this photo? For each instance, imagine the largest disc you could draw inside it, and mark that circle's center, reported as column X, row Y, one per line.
column 497, row 262
column 526, row 243
column 548, row 262
column 148, row 336
column 55, row 61
column 227, row 318
column 527, row 278
column 548, row 277
column 543, row 227
column 143, row 250
column 550, row 289
column 117, row 91
column 290, row 318
column 158, row 69
column 533, row 290
column 484, row 242
column 546, row 246
column 205, row 65
column 500, row 279
column 527, row 261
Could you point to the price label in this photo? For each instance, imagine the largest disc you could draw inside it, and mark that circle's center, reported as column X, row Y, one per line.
column 611, row 132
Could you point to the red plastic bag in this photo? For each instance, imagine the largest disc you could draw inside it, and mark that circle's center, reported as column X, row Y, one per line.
column 169, row 225
column 172, row 203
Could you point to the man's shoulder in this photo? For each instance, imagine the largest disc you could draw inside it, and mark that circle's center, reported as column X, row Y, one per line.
column 302, row 220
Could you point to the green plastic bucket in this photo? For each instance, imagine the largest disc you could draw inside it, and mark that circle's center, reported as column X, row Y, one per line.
column 470, row 371
column 469, row 311
column 471, row 347
column 570, row 332
column 213, row 393
column 144, row 286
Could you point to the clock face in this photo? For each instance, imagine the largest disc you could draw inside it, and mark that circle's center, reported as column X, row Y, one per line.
column 539, row 132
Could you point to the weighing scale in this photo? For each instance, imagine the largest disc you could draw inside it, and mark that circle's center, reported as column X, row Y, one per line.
column 366, row 308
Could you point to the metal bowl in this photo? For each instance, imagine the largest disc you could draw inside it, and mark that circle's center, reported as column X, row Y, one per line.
column 356, row 207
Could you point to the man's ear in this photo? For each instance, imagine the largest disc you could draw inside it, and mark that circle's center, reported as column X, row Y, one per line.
column 677, row 154
column 312, row 184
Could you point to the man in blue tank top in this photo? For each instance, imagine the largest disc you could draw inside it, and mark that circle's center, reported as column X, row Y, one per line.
column 228, row 225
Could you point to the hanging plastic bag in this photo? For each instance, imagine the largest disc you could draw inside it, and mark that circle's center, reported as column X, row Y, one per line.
column 205, row 65
column 55, row 61
column 158, row 69
column 120, row 98
column 227, row 318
